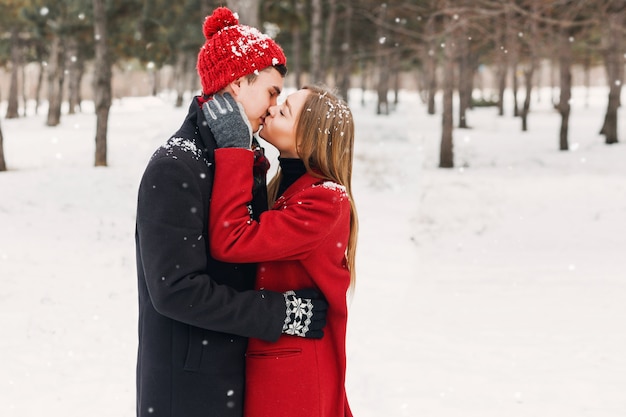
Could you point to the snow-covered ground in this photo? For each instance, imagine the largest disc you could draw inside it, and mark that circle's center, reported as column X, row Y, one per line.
column 494, row 289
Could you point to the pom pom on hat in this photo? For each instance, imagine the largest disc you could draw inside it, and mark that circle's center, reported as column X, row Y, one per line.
column 220, row 19
column 232, row 51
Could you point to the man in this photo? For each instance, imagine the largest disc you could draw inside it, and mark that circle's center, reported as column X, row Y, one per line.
column 195, row 313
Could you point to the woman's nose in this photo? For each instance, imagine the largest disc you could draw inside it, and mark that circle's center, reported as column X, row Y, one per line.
column 272, row 110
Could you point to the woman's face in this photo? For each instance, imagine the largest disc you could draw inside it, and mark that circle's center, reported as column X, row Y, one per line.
column 279, row 127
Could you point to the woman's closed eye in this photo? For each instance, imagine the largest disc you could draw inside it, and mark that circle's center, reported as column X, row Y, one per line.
column 285, row 108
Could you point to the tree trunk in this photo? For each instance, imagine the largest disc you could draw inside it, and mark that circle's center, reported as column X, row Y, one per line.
column 529, row 71
column 382, row 65
column 102, row 81
column 327, row 52
column 3, row 165
column 614, row 67
column 396, row 83
column 587, row 77
column 465, row 75
column 364, row 69
column 180, row 75
column 296, row 36
column 383, row 85
column 316, row 41
column 446, row 155
column 346, row 60
column 553, row 71
column 512, row 50
column 610, row 130
column 248, row 11
column 466, row 87
column 24, row 95
column 38, row 88
column 76, row 69
column 155, row 80
column 501, row 74
column 565, row 62
column 502, row 64
column 192, row 75
column 55, row 81
column 430, row 69
column 432, row 85
column 12, row 105
column 528, row 81
column 515, row 89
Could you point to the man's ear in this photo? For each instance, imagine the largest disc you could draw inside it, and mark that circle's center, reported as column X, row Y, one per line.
column 234, row 88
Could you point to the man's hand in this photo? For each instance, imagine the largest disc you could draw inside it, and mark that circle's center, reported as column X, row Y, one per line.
column 306, row 313
column 228, row 122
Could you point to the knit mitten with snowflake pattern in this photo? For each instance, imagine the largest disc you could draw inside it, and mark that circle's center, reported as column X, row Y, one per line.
column 305, row 314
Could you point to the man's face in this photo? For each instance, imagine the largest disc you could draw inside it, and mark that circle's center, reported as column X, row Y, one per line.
column 257, row 97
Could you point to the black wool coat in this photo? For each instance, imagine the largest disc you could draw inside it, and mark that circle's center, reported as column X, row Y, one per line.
column 195, row 313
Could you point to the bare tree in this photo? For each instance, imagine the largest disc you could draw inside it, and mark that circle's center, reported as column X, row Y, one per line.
column 512, row 51
column 102, row 80
column 430, row 66
column 16, row 58
column 530, row 42
column 40, row 75
column 569, row 22
column 76, row 69
column 296, row 35
column 446, row 154
column 248, row 11
column 565, row 73
column 327, row 52
column 56, row 76
column 613, row 51
column 382, row 64
column 345, row 69
column 502, row 64
column 316, row 41
column 466, row 70
column 181, row 71
column 3, row 165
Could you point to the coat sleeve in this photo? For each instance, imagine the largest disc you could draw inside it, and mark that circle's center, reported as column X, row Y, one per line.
column 285, row 233
column 172, row 239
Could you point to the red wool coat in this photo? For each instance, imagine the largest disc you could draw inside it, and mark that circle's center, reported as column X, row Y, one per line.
column 299, row 243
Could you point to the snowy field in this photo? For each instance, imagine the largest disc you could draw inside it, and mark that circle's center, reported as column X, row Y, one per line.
column 495, row 289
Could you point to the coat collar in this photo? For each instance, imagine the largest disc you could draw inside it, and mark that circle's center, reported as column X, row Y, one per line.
column 195, row 125
column 305, row 181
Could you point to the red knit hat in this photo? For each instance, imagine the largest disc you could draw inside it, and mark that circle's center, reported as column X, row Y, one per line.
column 232, row 51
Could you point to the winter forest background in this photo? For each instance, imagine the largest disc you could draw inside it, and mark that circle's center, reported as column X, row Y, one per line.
column 489, row 177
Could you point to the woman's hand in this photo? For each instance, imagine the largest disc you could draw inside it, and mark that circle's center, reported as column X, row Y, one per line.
column 228, row 122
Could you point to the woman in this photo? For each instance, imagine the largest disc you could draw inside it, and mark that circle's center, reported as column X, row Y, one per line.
column 307, row 239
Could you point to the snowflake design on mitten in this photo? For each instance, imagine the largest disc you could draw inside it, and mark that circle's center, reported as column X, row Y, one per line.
column 298, row 315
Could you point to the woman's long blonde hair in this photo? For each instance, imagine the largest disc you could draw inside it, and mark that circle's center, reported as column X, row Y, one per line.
column 325, row 143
